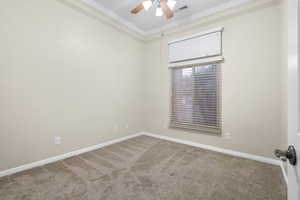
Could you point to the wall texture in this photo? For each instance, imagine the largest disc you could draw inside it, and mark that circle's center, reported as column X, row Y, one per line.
column 253, row 88
column 63, row 73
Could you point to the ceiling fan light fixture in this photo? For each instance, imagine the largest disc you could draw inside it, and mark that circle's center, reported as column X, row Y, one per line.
column 147, row 4
column 171, row 4
column 159, row 12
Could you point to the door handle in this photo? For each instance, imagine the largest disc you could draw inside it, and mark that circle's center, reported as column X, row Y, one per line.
column 289, row 154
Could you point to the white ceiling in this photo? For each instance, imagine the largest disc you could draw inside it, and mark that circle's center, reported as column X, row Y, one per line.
column 146, row 22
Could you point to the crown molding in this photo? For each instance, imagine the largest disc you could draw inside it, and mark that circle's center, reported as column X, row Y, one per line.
column 113, row 19
column 114, row 16
column 197, row 16
column 212, row 16
column 91, row 9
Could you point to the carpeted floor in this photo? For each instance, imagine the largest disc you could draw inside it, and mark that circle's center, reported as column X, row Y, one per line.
column 146, row 168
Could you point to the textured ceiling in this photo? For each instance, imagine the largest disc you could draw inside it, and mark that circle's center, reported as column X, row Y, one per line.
column 147, row 21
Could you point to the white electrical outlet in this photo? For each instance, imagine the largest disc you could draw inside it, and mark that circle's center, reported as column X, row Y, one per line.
column 127, row 126
column 57, row 140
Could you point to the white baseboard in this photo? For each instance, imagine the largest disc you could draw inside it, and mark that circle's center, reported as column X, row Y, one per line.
column 217, row 149
column 64, row 156
column 284, row 172
column 91, row 148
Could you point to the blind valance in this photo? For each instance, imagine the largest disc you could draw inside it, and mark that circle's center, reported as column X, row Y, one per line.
column 196, row 47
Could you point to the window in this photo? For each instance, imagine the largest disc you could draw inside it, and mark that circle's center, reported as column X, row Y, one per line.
column 194, row 64
column 195, row 98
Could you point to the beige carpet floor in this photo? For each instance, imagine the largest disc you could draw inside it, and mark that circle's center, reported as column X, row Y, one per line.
column 145, row 168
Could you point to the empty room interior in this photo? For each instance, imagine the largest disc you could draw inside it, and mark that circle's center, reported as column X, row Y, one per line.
column 149, row 100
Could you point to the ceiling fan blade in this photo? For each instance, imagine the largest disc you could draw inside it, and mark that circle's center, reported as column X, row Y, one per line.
column 137, row 9
column 165, row 8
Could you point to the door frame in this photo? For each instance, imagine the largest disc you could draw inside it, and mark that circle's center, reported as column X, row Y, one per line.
column 293, row 94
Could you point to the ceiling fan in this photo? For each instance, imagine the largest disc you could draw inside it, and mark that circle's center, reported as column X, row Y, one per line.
column 162, row 7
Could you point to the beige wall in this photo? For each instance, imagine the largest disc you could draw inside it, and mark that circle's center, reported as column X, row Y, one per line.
column 253, row 81
column 63, row 73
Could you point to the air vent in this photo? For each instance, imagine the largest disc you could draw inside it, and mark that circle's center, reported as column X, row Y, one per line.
column 182, row 8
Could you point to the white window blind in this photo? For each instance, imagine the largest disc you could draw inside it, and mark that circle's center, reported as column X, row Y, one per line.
column 195, row 98
column 202, row 45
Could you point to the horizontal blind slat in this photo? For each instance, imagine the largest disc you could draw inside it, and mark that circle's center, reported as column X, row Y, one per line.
column 195, row 97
